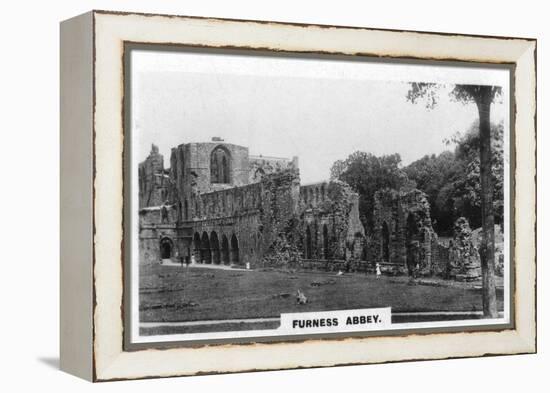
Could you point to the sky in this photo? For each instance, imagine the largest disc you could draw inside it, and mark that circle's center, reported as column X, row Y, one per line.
column 318, row 110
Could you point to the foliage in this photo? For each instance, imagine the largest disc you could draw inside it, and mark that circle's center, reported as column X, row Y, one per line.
column 431, row 174
column 366, row 174
column 451, row 179
column 284, row 251
column 429, row 92
column 483, row 96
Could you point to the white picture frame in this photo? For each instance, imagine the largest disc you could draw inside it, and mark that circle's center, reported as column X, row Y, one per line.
column 93, row 193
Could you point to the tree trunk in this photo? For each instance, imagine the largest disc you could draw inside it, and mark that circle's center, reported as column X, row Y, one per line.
column 487, row 250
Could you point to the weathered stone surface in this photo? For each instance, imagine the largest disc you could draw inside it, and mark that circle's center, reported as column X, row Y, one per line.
column 403, row 234
column 464, row 261
column 216, row 204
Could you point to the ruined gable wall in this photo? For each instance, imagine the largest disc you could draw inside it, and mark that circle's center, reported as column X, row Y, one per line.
column 153, row 183
column 278, row 217
column 199, row 165
column 407, row 216
column 190, row 173
column 335, row 206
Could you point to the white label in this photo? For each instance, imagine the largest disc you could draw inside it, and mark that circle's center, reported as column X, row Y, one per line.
column 336, row 321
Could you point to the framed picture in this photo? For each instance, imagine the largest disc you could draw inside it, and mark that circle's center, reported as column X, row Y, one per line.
column 246, row 195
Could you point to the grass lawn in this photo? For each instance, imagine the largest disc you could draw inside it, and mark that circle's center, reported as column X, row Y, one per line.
column 173, row 293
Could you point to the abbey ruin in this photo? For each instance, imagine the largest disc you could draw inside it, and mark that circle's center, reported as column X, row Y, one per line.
column 217, row 204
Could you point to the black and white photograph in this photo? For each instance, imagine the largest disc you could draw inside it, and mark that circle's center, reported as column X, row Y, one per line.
column 279, row 194
column 275, row 196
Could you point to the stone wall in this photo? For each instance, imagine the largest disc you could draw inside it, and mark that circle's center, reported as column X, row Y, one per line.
column 156, row 224
column 190, row 167
column 154, row 184
column 403, row 233
column 330, row 225
column 259, row 166
column 260, row 216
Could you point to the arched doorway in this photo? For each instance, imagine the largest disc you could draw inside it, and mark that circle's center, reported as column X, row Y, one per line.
column 308, row 253
column 411, row 243
column 412, row 232
column 234, row 251
column 215, row 248
column 225, row 250
column 197, row 247
column 166, row 247
column 325, row 242
column 206, row 256
column 385, row 242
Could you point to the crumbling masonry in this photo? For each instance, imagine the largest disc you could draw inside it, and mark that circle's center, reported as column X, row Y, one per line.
column 216, row 204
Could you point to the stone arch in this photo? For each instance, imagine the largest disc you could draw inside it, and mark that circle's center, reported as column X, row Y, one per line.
column 411, row 229
column 308, row 246
column 166, row 248
column 206, row 255
column 412, row 235
column 215, row 248
column 326, row 251
column 197, row 247
column 234, row 250
column 220, row 165
column 225, row 251
column 385, row 242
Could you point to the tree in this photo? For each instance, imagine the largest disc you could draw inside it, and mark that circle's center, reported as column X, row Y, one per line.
column 366, row 174
column 435, row 175
column 451, row 180
column 483, row 97
column 469, row 190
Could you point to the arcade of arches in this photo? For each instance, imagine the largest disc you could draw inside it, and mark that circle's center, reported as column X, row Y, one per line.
column 218, row 205
column 209, row 248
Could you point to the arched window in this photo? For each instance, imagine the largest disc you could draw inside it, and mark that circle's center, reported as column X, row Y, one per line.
column 220, row 163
